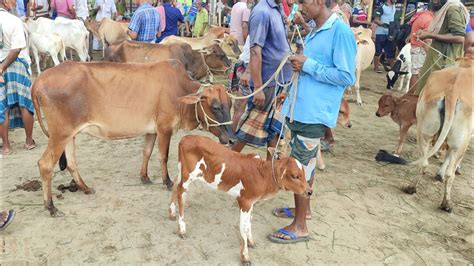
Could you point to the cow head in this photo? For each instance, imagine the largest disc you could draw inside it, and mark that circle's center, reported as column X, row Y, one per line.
column 92, row 25
column 230, row 45
column 344, row 112
column 216, row 59
column 362, row 35
column 289, row 174
column 387, row 104
column 213, row 111
column 394, row 72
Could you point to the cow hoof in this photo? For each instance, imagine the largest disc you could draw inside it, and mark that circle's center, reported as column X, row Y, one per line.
column 182, row 235
column 439, row 178
column 169, row 184
column 89, row 191
column 446, row 206
column 458, row 171
column 252, row 245
column 246, row 263
column 55, row 213
column 146, row 180
column 409, row 190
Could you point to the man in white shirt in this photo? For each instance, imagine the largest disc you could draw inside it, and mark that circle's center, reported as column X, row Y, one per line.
column 105, row 9
column 16, row 107
column 82, row 10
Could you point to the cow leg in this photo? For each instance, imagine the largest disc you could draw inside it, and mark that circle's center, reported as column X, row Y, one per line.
column 423, row 146
column 403, row 134
column 164, row 138
column 453, row 156
column 72, row 168
column 407, row 85
column 46, row 164
column 35, row 54
column 357, row 86
column 319, row 159
column 245, row 230
column 55, row 59
column 402, row 82
column 148, row 149
column 181, row 197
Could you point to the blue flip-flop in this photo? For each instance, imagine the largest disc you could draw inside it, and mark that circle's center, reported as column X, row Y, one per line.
column 293, row 237
column 278, row 211
column 11, row 216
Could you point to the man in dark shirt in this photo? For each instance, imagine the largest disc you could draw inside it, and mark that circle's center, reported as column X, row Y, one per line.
column 173, row 18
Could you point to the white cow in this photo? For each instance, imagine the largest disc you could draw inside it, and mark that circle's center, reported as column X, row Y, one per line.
column 47, row 43
column 365, row 55
column 73, row 33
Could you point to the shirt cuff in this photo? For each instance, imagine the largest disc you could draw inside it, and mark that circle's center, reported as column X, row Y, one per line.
column 309, row 65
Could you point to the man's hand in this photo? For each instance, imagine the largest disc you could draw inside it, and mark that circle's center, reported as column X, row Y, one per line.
column 299, row 19
column 280, row 98
column 2, row 69
column 422, row 35
column 259, row 98
column 244, row 79
column 297, row 61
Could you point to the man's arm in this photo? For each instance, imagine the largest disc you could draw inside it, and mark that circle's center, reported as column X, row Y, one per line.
column 256, row 73
column 245, row 30
column 11, row 57
column 134, row 27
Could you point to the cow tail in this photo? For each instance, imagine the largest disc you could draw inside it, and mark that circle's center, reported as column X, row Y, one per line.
column 449, row 112
column 35, row 98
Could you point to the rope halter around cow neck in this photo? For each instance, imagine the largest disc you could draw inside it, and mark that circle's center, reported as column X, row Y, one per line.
column 207, row 118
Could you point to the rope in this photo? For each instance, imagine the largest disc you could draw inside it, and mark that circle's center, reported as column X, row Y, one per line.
column 207, row 118
column 424, row 74
column 274, row 77
column 436, row 50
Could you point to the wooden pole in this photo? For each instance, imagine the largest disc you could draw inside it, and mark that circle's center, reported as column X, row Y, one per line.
column 404, row 11
column 369, row 13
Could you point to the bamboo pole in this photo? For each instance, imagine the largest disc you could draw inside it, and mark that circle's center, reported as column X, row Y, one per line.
column 369, row 13
column 404, row 10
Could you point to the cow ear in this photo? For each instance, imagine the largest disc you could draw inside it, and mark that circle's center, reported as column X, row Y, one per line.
column 189, row 99
column 218, row 41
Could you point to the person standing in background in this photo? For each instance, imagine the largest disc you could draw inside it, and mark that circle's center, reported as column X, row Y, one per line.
column 383, row 16
column 190, row 18
column 161, row 11
column 173, row 18
column 40, row 9
column 145, row 23
column 82, row 9
column 359, row 15
column 239, row 21
column 104, row 9
column 202, row 20
column 64, row 8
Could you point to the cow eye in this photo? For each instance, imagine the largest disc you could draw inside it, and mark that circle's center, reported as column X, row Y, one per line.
column 294, row 177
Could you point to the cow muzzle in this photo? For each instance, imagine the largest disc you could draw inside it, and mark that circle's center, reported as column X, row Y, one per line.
column 308, row 192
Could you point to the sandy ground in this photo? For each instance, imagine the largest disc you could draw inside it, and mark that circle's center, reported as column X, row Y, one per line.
column 360, row 215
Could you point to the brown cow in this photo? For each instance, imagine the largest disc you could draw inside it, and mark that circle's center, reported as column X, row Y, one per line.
column 138, row 52
column 446, row 104
column 118, row 101
column 402, row 111
column 244, row 177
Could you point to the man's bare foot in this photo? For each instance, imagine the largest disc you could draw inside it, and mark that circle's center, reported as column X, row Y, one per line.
column 6, row 149
column 288, row 235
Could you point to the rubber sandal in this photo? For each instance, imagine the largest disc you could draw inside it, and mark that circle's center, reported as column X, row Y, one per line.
column 293, row 237
column 11, row 216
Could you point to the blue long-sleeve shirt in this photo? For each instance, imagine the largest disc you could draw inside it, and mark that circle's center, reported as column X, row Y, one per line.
column 327, row 71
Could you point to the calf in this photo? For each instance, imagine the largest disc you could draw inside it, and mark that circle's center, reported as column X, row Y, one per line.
column 247, row 178
column 47, row 43
column 446, row 104
column 401, row 67
column 364, row 56
column 401, row 110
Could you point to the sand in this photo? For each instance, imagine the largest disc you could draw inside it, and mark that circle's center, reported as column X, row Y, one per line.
column 360, row 215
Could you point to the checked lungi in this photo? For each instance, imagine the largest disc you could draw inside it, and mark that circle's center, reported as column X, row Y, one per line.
column 15, row 92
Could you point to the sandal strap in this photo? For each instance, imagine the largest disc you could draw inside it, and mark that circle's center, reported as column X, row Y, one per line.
column 288, row 233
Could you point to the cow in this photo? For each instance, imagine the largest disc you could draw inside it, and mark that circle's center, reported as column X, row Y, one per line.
column 198, row 63
column 108, row 31
column 247, row 178
column 401, row 67
column 119, row 101
column 445, row 107
column 229, row 43
column 364, row 56
column 73, row 33
column 402, row 111
column 46, row 43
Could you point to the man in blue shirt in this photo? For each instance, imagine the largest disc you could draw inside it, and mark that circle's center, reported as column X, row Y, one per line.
column 145, row 23
column 173, row 17
column 268, row 46
column 326, row 69
column 383, row 16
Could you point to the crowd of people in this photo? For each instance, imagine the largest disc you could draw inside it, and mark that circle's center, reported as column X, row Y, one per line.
column 262, row 28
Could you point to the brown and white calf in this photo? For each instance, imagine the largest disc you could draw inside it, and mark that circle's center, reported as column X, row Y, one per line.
column 244, row 177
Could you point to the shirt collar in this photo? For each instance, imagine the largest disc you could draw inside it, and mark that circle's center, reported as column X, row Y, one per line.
column 329, row 22
column 272, row 3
